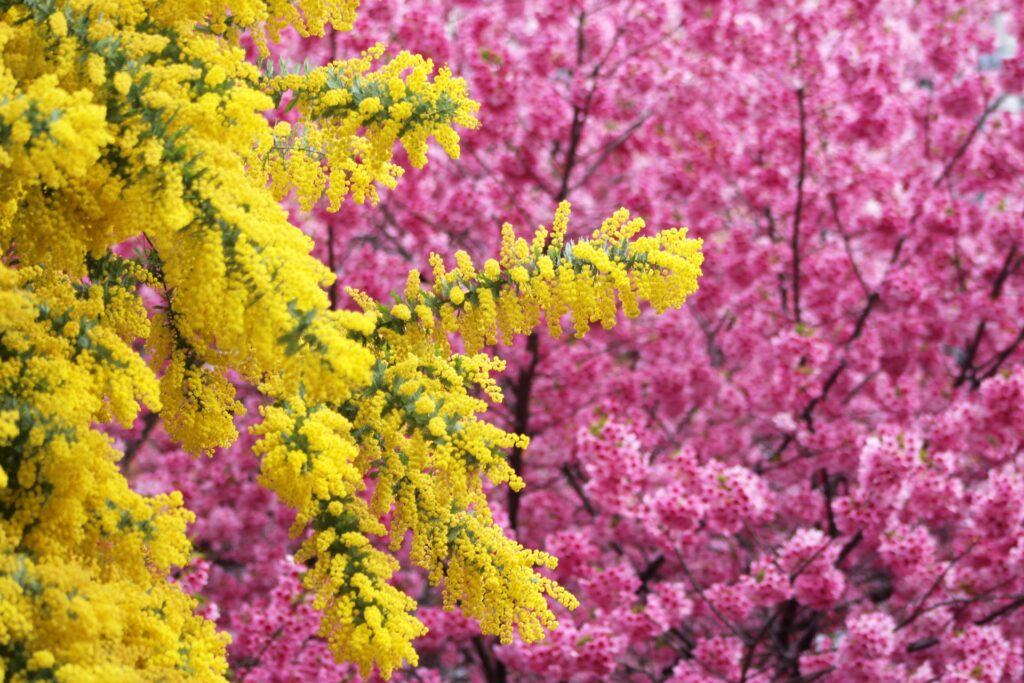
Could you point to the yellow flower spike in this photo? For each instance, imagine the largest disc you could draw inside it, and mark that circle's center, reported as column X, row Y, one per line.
column 412, row 287
column 437, row 427
column 58, row 24
column 122, row 82
column 560, row 226
column 545, row 267
column 401, row 311
column 464, row 265
column 492, row 269
column 590, row 275
column 630, row 228
column 540, row 241
column 425, row 316
column 437, row 270
column 508, row 245
column 424, row 405
column 521, row 250
column 95, row 66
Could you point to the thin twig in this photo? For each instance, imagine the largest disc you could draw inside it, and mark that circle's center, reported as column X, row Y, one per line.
column 523, row 389
column 919, row 609
column 700, row 592
column 834, row 203
column 962, row 149
column 799, row 209
column 607, row 150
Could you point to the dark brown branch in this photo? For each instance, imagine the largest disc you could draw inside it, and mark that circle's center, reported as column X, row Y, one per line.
column 799, row 208
column 919, row 608
column 745, row 638
column 970, row 351
column 783, row 634
column 849, row 547
column 834, row 203
column 494, row 668
column 578, row 489
column 714, row 351
column 648, row 573
column 967, row 368
column 773, row 233
column 332, row 291
column 579, row 116
column 575, row 133
column 1002, row 611
column 859, row 387
column 748, row 656
column 810, row 560
column 521, row 425
column 607, row 151
column 1007, row 269
column 640, row 49
column 390, row 219
column 131, row 448
column 828, row 493
column 248, row 665
column 858, row 329
column 524, row 383
column 962, row 149
column 991, row 366
column 922, row 644
column 332, row 263
column 808, row 413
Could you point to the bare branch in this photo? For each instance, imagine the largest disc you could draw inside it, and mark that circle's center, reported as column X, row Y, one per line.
column 799, row 209
column 970, row 138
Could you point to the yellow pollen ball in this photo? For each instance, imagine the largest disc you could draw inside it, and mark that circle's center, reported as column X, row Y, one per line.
column 58, row 24
column 215, row 76
column 122, row 82
column 401, row 311
column 437, row 427
column 41, row 659
column 370, row 106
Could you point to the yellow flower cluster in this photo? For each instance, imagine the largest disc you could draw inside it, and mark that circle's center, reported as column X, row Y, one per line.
column 311, row 459
column 138, row 119
column 84, row 559
column 416, row 428
column 360, row 114
column 548, row 278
